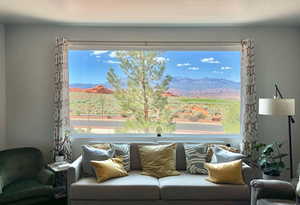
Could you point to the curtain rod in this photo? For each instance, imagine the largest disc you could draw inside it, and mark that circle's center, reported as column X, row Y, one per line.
column 147, row 42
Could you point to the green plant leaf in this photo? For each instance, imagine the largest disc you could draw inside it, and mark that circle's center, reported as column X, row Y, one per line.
column 268, row 149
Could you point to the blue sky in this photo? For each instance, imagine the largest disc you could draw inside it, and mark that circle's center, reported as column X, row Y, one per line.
column 90, row 66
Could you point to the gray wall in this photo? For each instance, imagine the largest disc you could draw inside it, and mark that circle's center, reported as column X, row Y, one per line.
column 29, row 72
column 2, row 90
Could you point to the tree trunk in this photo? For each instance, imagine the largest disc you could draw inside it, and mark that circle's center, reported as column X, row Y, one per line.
column 146, row 106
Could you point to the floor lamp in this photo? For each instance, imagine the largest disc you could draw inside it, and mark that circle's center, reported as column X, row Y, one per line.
column 283, row 107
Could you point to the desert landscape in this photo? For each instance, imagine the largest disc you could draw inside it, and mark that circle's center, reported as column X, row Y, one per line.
column 199, row 106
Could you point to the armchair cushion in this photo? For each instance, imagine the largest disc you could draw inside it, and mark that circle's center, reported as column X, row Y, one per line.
column 25, row 189
column 46, row 177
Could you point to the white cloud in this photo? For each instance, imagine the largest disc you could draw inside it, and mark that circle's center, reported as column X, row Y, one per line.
column 113, row 54
column 193, row 68
column 183, row 64
column 97, row 53
column 226, row 68
column 218, row 72
column 161, row 59
column 113, row 62
column 209, row 60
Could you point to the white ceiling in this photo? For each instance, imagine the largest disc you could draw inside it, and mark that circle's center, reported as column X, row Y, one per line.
column 152, row 12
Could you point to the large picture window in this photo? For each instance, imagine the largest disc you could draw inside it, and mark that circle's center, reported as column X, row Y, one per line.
column 191, row 92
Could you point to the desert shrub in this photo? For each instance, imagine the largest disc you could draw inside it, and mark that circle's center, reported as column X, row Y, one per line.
column 201, row 116
column 186, row 116
column 197, row 117
column 124, row 115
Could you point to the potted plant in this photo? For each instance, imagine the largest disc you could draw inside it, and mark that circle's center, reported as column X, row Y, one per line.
column 60, row 148
column 270, row 160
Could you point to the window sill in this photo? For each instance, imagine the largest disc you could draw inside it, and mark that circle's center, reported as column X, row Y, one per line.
column 152, row 139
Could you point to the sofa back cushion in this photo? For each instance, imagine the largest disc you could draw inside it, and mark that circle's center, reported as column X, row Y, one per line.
column 180, row 157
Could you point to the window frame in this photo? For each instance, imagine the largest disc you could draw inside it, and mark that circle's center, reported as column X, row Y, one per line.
column 159, row 46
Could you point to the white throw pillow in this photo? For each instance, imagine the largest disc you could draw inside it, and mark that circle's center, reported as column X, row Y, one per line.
column 90, row 153
column 221, row 155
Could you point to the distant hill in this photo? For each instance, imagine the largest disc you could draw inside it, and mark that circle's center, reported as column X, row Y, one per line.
column 203, row 83
column 189, row 87
column 205, row 87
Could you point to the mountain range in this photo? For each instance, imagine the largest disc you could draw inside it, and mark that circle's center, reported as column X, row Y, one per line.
column 204, row 87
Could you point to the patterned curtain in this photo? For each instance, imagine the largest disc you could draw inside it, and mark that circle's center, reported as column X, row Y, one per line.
column 62, row 143
column 248, row 97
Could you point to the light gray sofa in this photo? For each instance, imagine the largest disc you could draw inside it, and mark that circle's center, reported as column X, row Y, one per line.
column 143, row 190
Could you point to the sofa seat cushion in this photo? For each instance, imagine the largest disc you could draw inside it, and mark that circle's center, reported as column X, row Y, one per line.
column 275, row 202
column 25, row 189
column 196, row 187
column 134, row 186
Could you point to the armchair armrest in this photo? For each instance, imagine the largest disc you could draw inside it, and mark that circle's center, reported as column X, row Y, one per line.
column 271, row 189
column 46, row 177
column 1, row 184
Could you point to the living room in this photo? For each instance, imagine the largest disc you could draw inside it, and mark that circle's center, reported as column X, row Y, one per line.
column 27, row 57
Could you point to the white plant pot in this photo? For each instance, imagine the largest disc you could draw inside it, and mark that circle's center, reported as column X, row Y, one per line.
column 268, row 177
column 59, row 158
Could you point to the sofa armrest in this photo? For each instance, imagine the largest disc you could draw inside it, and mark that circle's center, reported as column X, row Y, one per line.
column 74, row 171
column 250, row 173
column 271, row 189
column 46, row 177
column 73, row 175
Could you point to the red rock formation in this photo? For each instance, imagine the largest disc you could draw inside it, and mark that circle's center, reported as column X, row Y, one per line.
column 98, row 89
column 168, row 94
column 76, row 90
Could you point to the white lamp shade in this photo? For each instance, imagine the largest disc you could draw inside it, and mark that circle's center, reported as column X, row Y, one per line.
column 277, row 106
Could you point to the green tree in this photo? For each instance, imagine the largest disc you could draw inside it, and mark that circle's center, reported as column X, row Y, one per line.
column 141, row 94
column 102, row 103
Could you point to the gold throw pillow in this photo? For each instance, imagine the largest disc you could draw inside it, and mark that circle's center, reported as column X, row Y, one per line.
column 225, row 173
column 107, row 169
column 158, row 160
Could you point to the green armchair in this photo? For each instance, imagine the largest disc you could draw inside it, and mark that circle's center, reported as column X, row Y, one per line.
column 23, row 177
